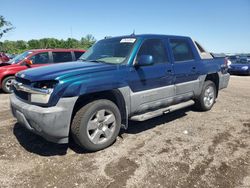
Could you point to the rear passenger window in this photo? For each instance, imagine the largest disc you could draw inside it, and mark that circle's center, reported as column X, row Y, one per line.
column 154, row 47
column 41, row 58
column 78, row 54
column 181, row 50
column 61, row 57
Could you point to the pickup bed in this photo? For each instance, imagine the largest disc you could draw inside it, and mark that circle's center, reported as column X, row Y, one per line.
column 135, row 77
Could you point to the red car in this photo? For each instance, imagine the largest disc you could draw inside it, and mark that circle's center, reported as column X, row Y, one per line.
column 3, row 58
column 34, row 58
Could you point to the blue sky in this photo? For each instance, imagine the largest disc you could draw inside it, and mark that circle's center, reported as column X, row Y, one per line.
column 219, row 25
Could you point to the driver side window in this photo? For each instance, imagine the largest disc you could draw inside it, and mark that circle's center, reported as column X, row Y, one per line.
column 155, row 48
column 40, row 58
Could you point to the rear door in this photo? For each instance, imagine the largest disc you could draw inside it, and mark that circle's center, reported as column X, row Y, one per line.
column 185, row 67
column 60, row 57
column 152, row 85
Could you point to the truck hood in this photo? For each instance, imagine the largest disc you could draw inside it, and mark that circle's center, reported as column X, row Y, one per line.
column 62, row 71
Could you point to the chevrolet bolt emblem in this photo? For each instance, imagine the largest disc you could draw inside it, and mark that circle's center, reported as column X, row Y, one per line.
column 22, row 75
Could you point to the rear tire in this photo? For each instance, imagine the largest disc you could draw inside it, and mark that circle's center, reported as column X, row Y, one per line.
column 6, row 84
column 96, row 125
column 207, row 97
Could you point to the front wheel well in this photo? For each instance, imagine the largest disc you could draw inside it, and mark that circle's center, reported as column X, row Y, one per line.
column 113, row 95
column 214, row 77
column 6, row 76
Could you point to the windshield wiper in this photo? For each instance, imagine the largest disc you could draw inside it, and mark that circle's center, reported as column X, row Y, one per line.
column 93, row 60
column 96, row 61
column 81, row 59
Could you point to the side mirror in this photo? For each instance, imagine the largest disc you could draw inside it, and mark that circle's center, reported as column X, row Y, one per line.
column 28, row 62
column 145, row 60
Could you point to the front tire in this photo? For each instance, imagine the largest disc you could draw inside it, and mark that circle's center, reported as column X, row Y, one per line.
column 207, row 97
column 96, row 125
column 6, row 84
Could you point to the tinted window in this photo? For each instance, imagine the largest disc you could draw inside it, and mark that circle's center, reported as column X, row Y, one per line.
column 78, row 54
column 61, row 57
column 41, row 58
column 154, row 47
column 232, row 57
column 181, row 50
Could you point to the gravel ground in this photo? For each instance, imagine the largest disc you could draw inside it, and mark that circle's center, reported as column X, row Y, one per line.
column 182, row 149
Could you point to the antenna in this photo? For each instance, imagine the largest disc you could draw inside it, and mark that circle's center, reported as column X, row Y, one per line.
column 71, row 31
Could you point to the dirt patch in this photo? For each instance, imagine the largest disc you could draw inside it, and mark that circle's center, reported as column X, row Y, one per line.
column 171, row 174
column 120, row 172
column 231, row 174
column 5, row 115
column 168, row 147
column 218, row 139
column 247, row 124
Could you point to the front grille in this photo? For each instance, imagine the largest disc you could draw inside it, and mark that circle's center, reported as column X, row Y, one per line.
column 21, row 94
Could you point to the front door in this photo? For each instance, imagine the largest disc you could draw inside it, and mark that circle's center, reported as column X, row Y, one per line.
column 151, row 86
column 40, row 59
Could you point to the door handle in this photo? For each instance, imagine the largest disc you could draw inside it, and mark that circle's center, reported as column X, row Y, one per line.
column 169, row 72
column 193, row 69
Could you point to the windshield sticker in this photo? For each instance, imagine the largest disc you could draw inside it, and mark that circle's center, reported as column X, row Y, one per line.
column 128, row 40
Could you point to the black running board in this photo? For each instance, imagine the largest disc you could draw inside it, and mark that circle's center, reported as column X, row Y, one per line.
column 156, row 113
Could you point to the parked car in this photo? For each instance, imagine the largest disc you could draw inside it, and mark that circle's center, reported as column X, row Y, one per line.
column 240, row 68
column 135, row 77
column 233, row 58
column 3, row 57
column 34, row 58
column 244, row 59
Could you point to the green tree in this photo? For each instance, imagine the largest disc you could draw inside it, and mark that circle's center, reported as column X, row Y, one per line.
column 5, row 26
column 20, row 46
column 34, row 44
column 9, row 46
column 87, row 41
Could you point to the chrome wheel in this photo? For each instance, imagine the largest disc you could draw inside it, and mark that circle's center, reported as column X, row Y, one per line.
column 101, row 126
column 8, row 84
column 209, row 96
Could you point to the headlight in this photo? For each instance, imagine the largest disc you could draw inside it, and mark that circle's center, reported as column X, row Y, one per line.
column 39, row 92
column 45, row 84
column 244, row 67
column 43, row 90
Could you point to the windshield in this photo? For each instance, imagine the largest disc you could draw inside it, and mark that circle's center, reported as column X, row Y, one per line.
column 114, row 51
column 242, row 61
column 19, row 58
